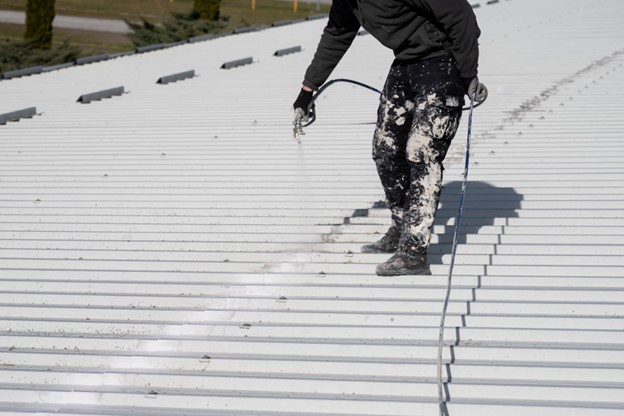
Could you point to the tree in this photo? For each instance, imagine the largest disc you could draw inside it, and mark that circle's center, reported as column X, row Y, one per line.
column 207, row 9
column 39, row 17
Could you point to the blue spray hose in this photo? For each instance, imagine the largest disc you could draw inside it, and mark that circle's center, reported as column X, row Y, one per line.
column 312, row 110
column 458, row 217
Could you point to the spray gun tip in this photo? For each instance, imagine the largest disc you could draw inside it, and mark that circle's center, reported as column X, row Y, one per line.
column 298, row 125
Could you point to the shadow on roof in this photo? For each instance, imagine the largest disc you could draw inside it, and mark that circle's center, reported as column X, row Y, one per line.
column 484, row 205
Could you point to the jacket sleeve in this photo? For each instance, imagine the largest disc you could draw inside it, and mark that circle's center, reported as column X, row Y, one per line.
column 338, row 35
column 460, row 23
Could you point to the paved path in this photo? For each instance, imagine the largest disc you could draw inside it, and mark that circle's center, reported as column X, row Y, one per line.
column 71, row 22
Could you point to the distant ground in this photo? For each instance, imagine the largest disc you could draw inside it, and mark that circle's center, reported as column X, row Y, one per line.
column 158, row 10
column 71, row 22
column 238, row 11
column 111, row 9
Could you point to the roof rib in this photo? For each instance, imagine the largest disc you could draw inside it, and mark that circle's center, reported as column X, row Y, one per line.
column 175, row 252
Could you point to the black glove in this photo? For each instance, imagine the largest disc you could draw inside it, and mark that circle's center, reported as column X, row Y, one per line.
column 304, row 102
column 475, row 90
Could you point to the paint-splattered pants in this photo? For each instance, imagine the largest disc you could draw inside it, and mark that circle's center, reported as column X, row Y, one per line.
column 419, row 113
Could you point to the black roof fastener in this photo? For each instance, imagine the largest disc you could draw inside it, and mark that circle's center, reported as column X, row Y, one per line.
column 282, row 23
column 203, row 38
column 168, row 79
column 246, row 29
column 92, row 59
column 476, row 6
column 492, row 1
column 121, row 54
column 57, row 67
column 318, row 16
column 18, row 115
column 287, row 51
column 22, row 72
column 149, row 48
column 236, row 63
column 99, row 95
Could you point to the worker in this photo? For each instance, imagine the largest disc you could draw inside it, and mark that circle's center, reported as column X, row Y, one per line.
column 436, row 59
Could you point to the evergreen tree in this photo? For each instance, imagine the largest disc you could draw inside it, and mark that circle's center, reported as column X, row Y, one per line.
column 39, row 17
column 207, row 9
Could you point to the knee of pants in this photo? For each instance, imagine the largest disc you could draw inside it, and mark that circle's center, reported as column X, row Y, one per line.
column 420, row 149
column 386, row 147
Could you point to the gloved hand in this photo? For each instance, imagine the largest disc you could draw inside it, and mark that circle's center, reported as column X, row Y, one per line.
column 475, row 89
column 304, row 102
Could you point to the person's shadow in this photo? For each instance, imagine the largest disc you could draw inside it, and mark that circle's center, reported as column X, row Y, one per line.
column 484, row 205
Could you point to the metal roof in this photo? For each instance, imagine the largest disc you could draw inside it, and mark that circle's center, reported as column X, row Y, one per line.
column 172, row 251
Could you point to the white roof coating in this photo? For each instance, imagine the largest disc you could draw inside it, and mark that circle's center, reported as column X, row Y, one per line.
column 172, row 251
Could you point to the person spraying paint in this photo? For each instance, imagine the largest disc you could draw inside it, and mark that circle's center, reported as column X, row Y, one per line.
column 436, row 59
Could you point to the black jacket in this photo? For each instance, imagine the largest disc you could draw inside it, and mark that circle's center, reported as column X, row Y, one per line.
column 413, row 29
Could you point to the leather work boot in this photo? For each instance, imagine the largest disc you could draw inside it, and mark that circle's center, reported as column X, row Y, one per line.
column 387, row 244
column 403, row 263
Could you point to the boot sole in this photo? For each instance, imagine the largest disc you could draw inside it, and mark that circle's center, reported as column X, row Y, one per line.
column 405, row 272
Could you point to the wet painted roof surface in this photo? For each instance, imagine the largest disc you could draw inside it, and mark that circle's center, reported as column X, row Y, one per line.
column 173, row 251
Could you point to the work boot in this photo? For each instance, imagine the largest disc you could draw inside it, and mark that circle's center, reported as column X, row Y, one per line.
column 387, row 244
column 403, row 263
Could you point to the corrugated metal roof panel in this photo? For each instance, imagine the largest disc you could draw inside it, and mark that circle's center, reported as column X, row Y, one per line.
column 173, row 251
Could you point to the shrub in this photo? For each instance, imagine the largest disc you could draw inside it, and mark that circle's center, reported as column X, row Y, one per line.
column 18, row 55
column 179, row 27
